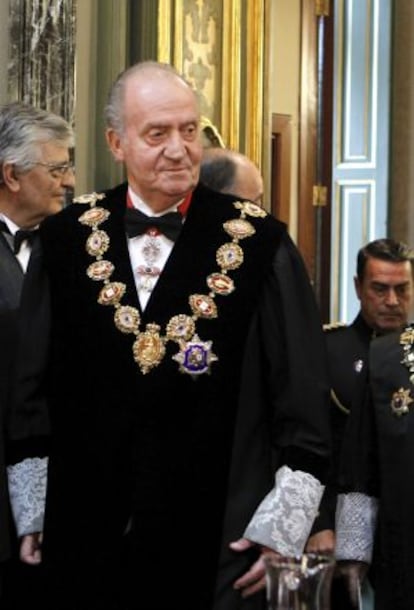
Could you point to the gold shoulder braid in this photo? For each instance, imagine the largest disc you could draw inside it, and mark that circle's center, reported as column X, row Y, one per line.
column 407, row 341
column 194, row 356
column 334, row 326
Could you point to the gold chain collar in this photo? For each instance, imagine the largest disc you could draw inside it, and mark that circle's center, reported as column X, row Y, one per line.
column 194, row 356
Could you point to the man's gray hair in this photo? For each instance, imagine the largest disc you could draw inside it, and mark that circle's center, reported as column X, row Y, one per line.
column 113, row 112
column 23, row 128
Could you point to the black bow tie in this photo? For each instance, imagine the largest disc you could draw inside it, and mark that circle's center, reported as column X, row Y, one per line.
column 137, row 223
column 19, row 237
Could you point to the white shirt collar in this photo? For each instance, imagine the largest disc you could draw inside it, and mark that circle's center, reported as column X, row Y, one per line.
column 140, row 205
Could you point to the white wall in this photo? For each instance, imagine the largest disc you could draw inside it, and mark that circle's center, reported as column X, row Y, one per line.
column 284, row 79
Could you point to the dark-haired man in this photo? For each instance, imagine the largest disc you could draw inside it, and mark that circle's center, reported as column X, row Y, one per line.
column 385, row 288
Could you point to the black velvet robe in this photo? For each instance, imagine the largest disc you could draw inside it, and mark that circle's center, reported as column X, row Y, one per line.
column 180, row 463
column 378, row 460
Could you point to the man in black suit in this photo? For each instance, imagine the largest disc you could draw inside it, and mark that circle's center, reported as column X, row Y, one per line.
column 36, row 174
column 385, row 288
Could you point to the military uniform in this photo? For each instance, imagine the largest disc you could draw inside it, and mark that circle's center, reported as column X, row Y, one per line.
column 347, row 348
column 380, row 463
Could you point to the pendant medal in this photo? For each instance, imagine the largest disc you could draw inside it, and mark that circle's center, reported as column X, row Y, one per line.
column 148, row 348
column 195, row 357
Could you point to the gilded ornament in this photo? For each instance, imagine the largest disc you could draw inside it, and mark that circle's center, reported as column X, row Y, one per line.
column 97, row 243
column 127, row 319
column 195, row 357
column 94, row 216
column 220, row 283
column 100, row 270
column 407, row 336
column 406, row 340
column 180, row 327
column 238, row 228
column 111, row 293
column 401, row 401
column 203, row 306
column 229, row 256
column 250, row 208
column 149, row 348
column 90, row 198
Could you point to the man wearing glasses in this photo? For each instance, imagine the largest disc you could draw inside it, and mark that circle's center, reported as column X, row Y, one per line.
column 36, row 175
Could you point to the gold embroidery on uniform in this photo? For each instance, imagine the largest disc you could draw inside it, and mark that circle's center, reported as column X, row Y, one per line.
column 407, row 341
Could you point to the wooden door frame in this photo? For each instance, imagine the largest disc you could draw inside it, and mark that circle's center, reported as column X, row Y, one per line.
column 307, row 145
column 281, row 147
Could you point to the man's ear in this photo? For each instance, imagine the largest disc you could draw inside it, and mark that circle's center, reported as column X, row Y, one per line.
column 114, row 143
column 10, row 178
column 357, row 285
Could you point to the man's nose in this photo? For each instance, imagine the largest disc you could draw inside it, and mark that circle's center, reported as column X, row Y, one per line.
column 68, row 179
column 175, row 147
column 392, row 297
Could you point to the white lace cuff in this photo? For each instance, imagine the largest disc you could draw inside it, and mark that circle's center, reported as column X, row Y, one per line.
column 27, row 489
column 284, row 518
column 356, row 519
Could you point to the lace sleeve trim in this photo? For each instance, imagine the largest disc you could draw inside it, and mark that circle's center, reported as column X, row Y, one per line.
column 27, row 489
column 284, row 518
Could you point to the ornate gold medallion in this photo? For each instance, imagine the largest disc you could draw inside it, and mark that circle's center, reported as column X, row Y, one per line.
column 111, row 293
column 100, row 270
column 127, row 319
column 149, row 348
column 180, row 327
column 401, row 401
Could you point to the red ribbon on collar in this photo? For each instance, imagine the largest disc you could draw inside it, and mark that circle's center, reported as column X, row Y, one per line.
column 182, row 208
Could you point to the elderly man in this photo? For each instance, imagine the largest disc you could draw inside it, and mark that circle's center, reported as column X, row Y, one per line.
column 186, row 379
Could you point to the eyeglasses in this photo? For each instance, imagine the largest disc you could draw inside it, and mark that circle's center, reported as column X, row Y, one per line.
column 57, row 170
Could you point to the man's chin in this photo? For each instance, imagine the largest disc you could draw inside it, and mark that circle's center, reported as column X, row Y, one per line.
column 179, row 188
column 389, row 325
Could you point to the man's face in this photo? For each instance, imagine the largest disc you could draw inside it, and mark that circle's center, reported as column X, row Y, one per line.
column 385, row 294
column 41, row 191
column 161, row 144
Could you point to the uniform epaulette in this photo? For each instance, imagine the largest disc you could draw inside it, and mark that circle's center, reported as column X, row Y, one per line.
column 334, row 325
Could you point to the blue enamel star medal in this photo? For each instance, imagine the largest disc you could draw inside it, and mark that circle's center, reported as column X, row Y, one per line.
column 195, row 356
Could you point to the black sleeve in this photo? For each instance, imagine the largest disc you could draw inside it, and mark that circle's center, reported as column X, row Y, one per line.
column 358, row 462
column 27, row 420
column 298, row 377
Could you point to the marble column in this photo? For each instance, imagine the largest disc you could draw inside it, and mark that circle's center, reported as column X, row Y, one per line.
column 41, row 68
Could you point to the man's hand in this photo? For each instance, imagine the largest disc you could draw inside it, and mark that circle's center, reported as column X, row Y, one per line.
column 30, row 548
column 254, row 580
column 322, row 542
column 353, row 573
